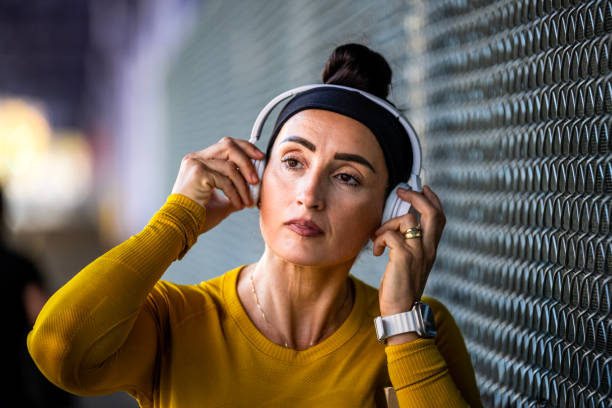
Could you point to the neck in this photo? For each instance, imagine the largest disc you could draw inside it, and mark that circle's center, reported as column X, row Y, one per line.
column 302, row 305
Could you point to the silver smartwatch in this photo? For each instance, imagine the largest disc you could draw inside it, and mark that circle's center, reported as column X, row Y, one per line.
column 420, row 320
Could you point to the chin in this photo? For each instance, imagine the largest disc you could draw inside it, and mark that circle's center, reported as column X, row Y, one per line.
column 303, row 254
column 299, row 254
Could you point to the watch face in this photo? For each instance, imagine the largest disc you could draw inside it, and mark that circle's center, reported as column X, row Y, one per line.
column 428, row 320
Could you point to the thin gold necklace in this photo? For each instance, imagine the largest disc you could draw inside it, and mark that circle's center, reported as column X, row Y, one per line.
column 348, row 291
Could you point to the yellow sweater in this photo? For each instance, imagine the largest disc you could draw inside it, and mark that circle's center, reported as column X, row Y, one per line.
column 115, row 326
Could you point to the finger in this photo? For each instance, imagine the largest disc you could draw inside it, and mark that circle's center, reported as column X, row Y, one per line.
column 433, row 198
column 228, row 169
column 220, row 181
column 415, row 243
column 418, row 200
column 432, row 219
column 408, row 220
column 242, row 154
column 231, row 149
column 250, row 149
column 382, row 241
column 396, row 242
column 225, row 184
column 244, row 164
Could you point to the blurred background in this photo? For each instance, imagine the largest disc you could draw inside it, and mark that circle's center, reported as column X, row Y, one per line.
column 512, row 99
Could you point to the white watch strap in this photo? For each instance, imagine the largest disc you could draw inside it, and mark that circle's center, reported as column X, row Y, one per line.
column 406, row 322
column 401, row 323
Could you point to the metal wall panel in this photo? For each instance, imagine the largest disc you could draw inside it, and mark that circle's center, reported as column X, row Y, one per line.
column 513, row 101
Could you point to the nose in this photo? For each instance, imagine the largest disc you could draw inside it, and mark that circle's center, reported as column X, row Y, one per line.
column 311, row 191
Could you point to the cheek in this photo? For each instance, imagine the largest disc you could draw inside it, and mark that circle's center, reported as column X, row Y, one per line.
column 272, row 198
column 273, row 189
column 357, row 220
column 274, row 180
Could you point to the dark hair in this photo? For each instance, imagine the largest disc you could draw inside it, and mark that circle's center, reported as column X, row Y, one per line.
column 357, row 66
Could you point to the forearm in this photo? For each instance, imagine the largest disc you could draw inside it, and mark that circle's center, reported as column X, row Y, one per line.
column 89, row 318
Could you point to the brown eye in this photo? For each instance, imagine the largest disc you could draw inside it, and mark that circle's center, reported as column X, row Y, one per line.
column 348, row 179
column 291, row 163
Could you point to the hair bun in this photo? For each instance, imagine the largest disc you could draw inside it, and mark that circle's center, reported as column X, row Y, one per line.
column 357, row 66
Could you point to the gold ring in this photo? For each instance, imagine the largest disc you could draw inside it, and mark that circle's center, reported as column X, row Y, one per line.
column 412, row 234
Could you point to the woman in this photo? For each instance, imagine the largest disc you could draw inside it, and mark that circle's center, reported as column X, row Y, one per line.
column 293, row 329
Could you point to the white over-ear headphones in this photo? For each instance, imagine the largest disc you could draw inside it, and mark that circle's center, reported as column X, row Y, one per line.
column 395, row 206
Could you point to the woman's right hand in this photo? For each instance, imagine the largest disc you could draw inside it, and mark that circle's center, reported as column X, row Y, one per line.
column 226, row 166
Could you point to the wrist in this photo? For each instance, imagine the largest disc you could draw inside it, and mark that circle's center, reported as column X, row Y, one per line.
column 405, row 305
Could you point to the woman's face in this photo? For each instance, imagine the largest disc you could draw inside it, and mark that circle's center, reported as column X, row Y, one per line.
column 328, row 170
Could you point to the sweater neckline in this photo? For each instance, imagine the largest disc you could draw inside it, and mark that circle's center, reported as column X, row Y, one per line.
column 344, row 333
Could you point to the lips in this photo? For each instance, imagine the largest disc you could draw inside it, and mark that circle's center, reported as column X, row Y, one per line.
column 304, row 227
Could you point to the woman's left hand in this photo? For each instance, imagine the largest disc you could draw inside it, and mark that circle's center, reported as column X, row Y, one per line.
column 410, row 260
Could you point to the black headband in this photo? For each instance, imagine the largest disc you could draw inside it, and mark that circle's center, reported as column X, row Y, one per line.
column 389, row 132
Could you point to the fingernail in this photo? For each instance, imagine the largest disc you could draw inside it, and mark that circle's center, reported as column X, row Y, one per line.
column 254, row 178
column 402, row 190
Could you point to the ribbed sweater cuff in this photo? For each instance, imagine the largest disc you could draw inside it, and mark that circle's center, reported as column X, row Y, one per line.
column 185, row 213
column 413, row 362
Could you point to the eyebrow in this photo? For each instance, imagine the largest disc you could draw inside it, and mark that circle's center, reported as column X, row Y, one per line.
column 338, row 156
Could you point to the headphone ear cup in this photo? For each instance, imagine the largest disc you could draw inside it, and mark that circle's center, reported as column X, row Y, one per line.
column 395, row 206
column 254, row 189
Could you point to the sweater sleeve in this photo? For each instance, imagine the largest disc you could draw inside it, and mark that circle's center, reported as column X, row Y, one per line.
column 95, row 335
column 434, row 372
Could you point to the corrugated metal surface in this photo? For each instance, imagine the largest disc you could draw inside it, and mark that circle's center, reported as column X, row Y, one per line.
column 514, row 102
